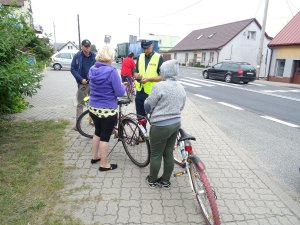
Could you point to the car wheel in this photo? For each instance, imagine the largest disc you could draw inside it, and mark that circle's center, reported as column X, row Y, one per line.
column 205, row 75
column 57, row 67
column 245, row 82
column 228, row 78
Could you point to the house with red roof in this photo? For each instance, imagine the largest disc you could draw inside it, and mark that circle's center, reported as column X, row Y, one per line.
column 236, row 41
column 285, row 53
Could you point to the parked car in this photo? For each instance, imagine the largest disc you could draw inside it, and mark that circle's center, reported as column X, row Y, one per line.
column 62, row 60
column 231, row 72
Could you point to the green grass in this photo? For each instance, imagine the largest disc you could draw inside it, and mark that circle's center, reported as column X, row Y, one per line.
column 31, row 172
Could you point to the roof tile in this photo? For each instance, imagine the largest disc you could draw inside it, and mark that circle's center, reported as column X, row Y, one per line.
column 222, row 35
column 289, row 35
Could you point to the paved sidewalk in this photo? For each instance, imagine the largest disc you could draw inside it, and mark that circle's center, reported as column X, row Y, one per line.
column 245, row 195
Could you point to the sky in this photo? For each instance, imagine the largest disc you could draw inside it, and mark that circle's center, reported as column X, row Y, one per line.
column 160, row 17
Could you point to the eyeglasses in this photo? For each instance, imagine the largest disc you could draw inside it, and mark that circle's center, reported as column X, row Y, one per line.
column 87, row 46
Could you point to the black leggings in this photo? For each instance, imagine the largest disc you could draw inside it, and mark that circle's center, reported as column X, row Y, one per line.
column 104, row 126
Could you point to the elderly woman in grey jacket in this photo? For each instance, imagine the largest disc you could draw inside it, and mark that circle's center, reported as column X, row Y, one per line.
column 164, row 104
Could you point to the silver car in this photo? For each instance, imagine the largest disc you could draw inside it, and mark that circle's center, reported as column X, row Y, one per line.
column 62, row 60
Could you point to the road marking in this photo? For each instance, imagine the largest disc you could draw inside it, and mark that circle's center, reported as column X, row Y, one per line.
column 246, row 89
column 210, row 82
column 196, row 82
column 202, row 96
column 280, row 121
column 188, row 84
column 232, row 106
column 261, row 85
column 281, row 91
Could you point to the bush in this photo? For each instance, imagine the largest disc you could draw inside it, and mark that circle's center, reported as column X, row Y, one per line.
column 18, row 77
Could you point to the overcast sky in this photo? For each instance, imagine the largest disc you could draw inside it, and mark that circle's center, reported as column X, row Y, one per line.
column 160, row 17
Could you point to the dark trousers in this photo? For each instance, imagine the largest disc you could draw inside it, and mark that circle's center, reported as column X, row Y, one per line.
column 139, row 102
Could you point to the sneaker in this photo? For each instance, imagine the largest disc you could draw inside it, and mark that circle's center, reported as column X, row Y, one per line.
column 151, row 184
column 164, row 183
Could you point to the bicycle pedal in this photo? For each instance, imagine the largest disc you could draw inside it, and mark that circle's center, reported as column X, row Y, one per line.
column 179, row 173
column 215, row 195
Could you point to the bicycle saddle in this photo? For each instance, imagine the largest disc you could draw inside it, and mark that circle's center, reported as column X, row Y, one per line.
column 185, row 136
column 122, row 101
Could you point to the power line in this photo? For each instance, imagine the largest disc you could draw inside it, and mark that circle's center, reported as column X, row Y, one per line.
column 179, row 10
column 258, row 8
column 287, row 2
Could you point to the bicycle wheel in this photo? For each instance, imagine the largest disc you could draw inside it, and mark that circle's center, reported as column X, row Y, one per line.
column 204, row 194
column 85, row 125
column 136, row 145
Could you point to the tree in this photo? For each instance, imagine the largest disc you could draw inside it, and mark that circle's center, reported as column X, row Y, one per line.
column 22, row 57
column 93, row 48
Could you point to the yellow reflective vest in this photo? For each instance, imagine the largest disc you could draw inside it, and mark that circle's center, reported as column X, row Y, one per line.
column 151, row 71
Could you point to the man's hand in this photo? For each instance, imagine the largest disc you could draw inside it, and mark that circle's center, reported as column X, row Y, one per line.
column 84, row 81
column 144, row 80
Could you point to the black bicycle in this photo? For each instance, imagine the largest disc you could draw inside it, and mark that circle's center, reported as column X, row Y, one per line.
column 129, row 130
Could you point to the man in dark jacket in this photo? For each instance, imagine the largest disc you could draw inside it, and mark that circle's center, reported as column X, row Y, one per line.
column 81, row 64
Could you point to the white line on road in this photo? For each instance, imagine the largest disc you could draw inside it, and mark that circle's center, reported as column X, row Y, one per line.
column 282, row 91
column 254, row 91
column 262, row 85
column 232, row 106
column 202, row 96
column 210, row 82
column 188, row 84
column 280, row 121
column 197, row 82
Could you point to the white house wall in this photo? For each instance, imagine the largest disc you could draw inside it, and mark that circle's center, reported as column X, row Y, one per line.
column 243, row 49
column 239, row 49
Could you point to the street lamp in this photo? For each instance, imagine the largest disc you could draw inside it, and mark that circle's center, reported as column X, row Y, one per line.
column 139, row 20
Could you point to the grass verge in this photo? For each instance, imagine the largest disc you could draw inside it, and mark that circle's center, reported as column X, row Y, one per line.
column 31, row 171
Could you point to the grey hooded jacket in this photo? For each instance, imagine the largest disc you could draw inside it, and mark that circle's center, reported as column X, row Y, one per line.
column 167, row 98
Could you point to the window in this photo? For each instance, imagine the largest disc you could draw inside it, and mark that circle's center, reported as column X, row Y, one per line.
column 203, row 57
column 201, row 35
column 211, row 35
column 211, row 57
column 218, row 66
column 251, row 35
column 279, row 68
column 65, row 55
column 226, row 66
column 175, row 55
column 70, row 47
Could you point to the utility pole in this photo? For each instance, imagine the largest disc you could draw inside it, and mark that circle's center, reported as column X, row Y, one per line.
column 139, row 21
column 78, row 31
column 55, row 50
column 261, row 43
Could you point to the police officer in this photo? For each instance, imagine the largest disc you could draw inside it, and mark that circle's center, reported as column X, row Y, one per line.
column 146, row 74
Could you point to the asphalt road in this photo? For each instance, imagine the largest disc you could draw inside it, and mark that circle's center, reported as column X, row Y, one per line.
column 262, row 118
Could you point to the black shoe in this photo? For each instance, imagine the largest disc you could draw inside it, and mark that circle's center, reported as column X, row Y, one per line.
column 164, row 183
column 152, row 184
column 93, row 161
column 112, row 167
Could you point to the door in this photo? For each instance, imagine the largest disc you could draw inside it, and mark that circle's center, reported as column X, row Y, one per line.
column 296, row 74
column 215, row 70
